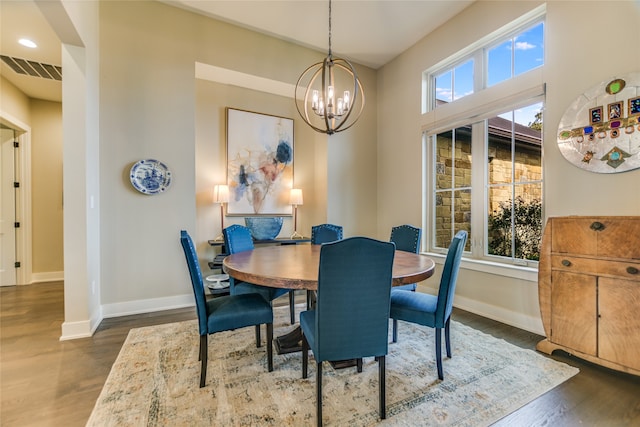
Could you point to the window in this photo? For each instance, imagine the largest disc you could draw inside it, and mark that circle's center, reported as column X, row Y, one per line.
column 452, row 193
column 485, row 156
column 454, row 83
column 514, row 188
column 506, row 58
column 518, row 54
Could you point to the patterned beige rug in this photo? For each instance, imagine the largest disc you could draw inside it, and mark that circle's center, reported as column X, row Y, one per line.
column 154, row 382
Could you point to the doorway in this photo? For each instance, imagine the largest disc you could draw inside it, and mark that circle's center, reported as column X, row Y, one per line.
column 8, row 256
column 15, row 208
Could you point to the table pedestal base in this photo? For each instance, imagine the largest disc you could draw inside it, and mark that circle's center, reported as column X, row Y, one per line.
column 292, row 342
column 289, row 343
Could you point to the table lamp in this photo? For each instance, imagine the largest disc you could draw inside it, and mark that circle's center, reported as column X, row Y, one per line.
column 221, row 195
column 295, row 198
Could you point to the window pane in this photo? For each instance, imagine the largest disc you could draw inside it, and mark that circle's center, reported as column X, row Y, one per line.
column 529, row 50
column 443, row 160
column 500, row 138
column 444, row 205
column 500, row 222
column 452, row 198
column 444, row 88
column 463, row 80
column 528, row 221
column 462, row 216
column 463, row 157
column 528, row 147
column 499, row 63
column 515, row 183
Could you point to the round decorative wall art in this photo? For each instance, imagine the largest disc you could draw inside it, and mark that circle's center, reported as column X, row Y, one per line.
column 150, row 176
column 600, row 131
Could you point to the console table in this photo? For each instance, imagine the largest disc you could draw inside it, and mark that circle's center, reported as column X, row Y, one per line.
column 589, row 289
column 216, row 264
column 217, row 261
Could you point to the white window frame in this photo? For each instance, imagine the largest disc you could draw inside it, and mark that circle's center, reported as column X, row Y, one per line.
column 525, row 89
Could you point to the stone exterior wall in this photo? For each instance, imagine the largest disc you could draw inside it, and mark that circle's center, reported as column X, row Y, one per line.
column 528, row 168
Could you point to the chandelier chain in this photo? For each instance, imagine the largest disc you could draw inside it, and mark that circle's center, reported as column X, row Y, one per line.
column 329, row 28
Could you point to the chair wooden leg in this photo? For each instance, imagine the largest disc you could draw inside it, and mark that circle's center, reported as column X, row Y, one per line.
column 305, row 356
column 382, row 377
column 203, row 359
column 270, row 346
column 439, row 352
column 395, row 330
column 359, row 364
column 258, row 339
column 292, row 306
column 319, row 393
column 447, row 337
column 311, row 297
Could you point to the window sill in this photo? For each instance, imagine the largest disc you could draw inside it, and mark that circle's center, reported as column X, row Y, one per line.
column 514, row 271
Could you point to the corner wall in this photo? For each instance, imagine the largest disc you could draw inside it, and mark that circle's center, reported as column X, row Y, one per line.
column 576, row 59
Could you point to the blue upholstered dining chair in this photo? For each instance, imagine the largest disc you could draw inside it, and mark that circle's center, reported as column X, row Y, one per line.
column 431, row 310
column 325, row 233
column 350, row 319
column 407, row 238
column 224, row 313
column 237, row 238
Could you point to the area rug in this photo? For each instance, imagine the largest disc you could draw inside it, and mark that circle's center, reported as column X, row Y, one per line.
column 155, row 381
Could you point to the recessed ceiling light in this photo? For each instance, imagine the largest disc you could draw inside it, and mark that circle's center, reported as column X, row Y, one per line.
column 27, row 43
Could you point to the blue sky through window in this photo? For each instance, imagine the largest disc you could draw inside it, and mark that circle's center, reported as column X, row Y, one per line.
column 517, row 55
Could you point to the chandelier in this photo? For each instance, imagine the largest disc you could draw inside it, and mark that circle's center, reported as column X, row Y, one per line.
column 318, row 99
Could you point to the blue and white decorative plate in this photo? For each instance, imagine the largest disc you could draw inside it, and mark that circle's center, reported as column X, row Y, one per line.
column 150, row 176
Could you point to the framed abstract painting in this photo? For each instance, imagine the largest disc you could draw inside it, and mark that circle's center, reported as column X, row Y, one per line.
column 259, row 163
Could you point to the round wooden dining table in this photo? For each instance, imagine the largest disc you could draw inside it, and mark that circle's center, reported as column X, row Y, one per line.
column 296, row 267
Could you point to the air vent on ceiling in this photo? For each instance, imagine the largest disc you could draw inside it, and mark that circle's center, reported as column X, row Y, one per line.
column 33, row 68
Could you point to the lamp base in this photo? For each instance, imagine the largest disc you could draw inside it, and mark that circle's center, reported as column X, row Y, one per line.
column 297, row 235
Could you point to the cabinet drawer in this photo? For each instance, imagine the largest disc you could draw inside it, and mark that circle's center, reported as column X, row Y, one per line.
column 619, row 269
column 574, row 264
column 574, row 235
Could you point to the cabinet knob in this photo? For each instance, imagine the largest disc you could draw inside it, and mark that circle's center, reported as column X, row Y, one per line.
column 597, row 226
column 632, row 270
column 566, row 262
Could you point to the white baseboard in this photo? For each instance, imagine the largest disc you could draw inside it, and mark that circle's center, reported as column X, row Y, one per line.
column 147, row 305
column 75, row 330
column 512, row 318
column 81, row 329
column 50, row 276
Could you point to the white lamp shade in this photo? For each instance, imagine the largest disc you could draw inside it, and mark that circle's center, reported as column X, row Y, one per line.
column 221, row 194
column 295, row 198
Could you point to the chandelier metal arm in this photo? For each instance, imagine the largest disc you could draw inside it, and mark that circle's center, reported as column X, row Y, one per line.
column 336, row 114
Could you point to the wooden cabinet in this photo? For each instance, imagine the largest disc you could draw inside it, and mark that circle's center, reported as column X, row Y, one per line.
column 589, row 289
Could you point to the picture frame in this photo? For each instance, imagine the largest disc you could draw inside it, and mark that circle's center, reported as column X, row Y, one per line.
column 634, row 106
column 260, row 163
column 595, row 115
column 615, row 110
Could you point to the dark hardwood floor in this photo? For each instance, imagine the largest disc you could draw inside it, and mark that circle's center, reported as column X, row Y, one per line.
column 48, row 382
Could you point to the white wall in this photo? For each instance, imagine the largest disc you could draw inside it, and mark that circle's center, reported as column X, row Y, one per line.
column 211, row 101
column 151, row 106
column 577, row 57
column 46, row 191
column 369, row 178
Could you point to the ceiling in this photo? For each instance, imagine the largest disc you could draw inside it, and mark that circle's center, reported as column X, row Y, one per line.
column 368, row 32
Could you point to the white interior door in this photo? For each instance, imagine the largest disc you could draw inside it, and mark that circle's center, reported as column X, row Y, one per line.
column 7, row 209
